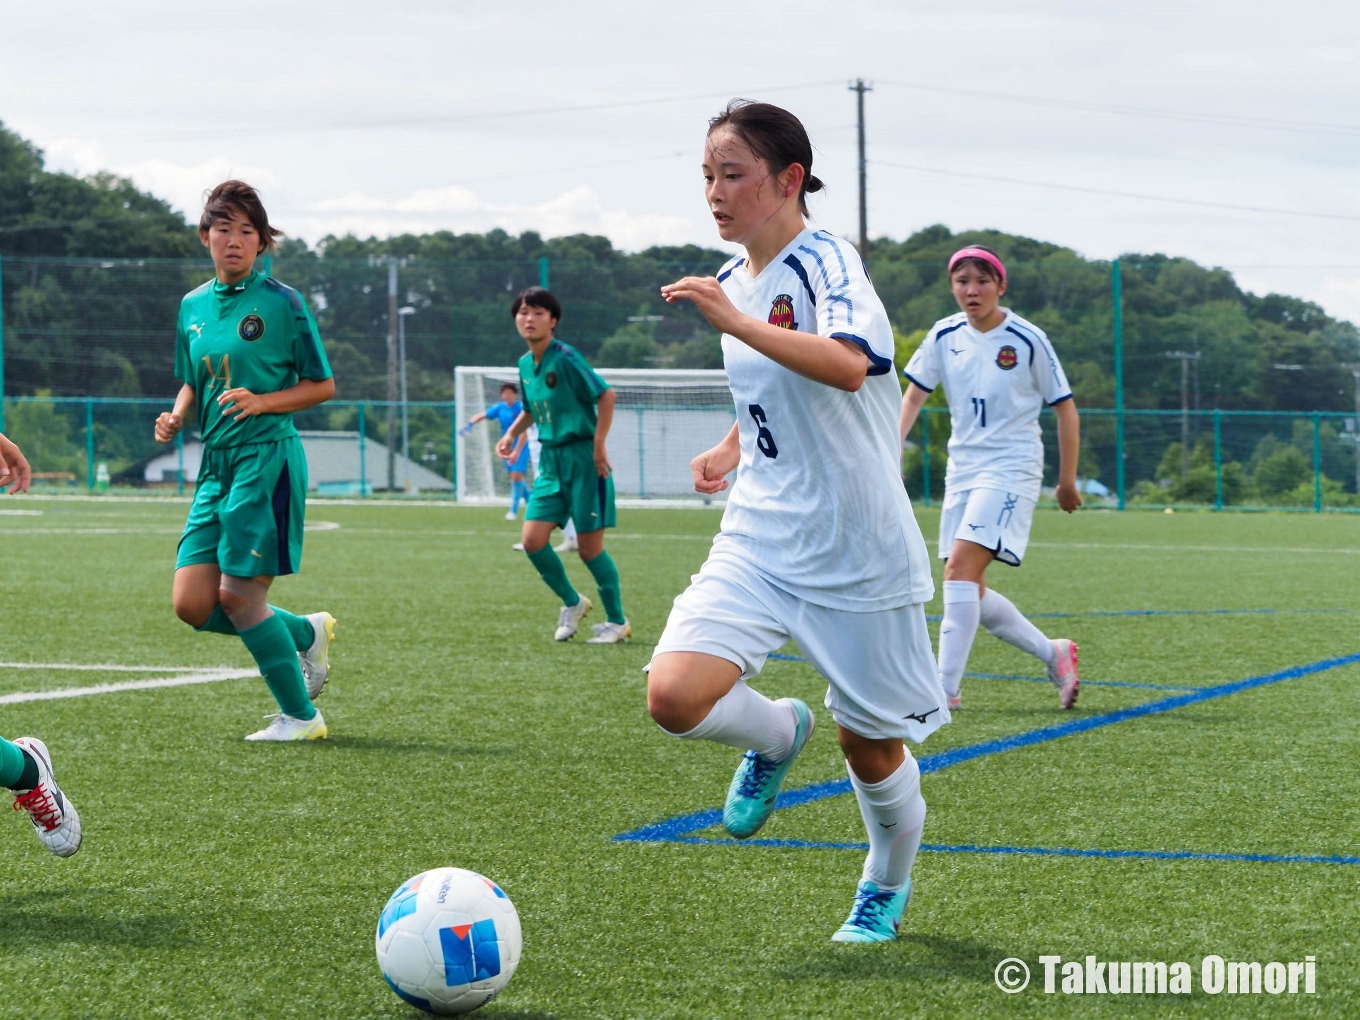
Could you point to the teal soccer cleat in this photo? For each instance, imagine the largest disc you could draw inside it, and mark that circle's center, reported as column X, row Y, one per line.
column 755, row 787
column 875, row 915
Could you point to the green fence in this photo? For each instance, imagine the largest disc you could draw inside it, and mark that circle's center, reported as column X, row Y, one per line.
column 1210, row 459
column 1239, row 460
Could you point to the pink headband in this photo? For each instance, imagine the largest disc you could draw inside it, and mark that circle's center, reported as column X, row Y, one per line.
column 977, row 253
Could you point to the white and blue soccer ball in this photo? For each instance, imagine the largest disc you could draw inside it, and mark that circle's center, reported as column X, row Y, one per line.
column 448, row 940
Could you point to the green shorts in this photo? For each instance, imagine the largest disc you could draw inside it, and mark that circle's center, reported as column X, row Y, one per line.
column 248, row 510
column 568, row 486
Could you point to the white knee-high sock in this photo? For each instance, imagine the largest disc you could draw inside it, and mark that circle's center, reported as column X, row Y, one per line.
column 745, row 718
column 894, row 812
column 957, row 629
column 999, row 615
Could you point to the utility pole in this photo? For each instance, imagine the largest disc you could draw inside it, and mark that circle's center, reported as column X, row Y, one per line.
column 1354, row 367
column 861, row 88
column 392, row 326
column 1185, row 358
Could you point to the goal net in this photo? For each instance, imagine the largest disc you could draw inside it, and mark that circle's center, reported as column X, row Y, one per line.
column 663, row 418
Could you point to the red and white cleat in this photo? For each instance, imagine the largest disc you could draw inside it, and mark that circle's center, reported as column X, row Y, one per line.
column 1063, row 672
column 54, row 817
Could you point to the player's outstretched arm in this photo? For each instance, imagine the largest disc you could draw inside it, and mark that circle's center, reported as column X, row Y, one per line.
column 711, row 468
column 912, row 402
column 168, row 423
column 819, row 358
column 14, row 469
column 1069, row 448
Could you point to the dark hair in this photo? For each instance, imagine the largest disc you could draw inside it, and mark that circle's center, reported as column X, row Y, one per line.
column 511, row 387
column 537, row 297
column 774, row 135
column 238, row 197
column 981, row 265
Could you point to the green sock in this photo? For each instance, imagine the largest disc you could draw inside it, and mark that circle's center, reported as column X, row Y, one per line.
column 217, row 623
column 276, row 654
column 17, row 770
column 298, row 626
column 549, row 565
column 607, row 577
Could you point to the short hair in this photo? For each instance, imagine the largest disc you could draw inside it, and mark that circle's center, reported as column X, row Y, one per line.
column 537, row 297
column 238, row 197
column 511, row 387
column 774, row 135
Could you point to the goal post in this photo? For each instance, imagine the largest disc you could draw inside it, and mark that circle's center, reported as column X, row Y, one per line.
column 663, row 418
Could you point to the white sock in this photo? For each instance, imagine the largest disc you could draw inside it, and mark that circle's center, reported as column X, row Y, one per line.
column 999, row 615
column 894, row 812
column 957, row 629
column 747, row 719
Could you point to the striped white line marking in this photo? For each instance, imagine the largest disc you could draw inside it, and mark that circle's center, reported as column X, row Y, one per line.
column 210, row 677
column 21, row 513
column 109, row 667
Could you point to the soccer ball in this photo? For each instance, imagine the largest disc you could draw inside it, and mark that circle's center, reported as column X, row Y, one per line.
column 448, row 940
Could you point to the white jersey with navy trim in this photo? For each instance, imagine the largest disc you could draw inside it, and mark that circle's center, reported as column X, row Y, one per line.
column 996, row 383
column 818, row 507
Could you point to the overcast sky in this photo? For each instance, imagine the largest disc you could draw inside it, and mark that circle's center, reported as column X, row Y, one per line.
column 386, row 117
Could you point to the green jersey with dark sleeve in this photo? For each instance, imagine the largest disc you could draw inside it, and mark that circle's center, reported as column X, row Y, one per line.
column 256, row 334
column 561, row 392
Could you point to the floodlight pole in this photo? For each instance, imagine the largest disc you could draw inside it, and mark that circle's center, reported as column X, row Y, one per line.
column 402, row 313
column 1185, row 357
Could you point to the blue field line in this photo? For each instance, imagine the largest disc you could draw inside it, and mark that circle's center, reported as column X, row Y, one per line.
column 1170, row 612
column 1038, row 851
column 1041, row 679
column 678, row 829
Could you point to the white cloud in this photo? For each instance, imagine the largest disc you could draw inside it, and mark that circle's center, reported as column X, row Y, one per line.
column 579, row 210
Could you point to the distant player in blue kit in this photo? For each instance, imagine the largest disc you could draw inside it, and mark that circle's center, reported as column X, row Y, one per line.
column 505, row 412
column 998, row 370
column 818, row 542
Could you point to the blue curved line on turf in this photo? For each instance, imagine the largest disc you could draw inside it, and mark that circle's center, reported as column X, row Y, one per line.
column 1041, row 851
column 1171, row 612
column 678, row 829
column 1038, row 679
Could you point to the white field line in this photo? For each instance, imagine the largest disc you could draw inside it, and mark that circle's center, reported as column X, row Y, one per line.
column 309, row 526
column 129, row 685
column 96, row 667
column 1302, row 550
column 21, row 513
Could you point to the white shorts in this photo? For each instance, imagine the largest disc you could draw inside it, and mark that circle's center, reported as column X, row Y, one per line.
column 996, row 520
column 879, row 666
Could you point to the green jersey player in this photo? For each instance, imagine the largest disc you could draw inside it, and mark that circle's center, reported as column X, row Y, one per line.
column 573, row 409
column 249, row 355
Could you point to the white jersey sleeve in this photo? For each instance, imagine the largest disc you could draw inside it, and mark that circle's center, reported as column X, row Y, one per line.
column 924, row 367
column 847, row 307
column 1047, row 372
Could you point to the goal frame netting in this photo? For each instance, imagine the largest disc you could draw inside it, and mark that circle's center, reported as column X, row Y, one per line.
column 663, row 418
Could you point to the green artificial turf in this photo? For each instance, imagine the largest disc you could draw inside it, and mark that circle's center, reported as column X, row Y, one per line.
column 223, row 879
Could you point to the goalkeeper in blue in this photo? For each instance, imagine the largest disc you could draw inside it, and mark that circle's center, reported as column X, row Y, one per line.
column 818, row 542
column 504, row 412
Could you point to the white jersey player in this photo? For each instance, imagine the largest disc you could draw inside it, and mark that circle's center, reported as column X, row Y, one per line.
column 998, row 370
column 818, row 541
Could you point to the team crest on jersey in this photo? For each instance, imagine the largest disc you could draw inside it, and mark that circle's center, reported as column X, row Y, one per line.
column 251, row 328
column 550, row 379
column 1006, row 359
column 781, row 312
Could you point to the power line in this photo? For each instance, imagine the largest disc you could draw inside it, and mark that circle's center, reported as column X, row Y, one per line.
column 1119, row 194
column 461, row 118
column 1220, row 119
